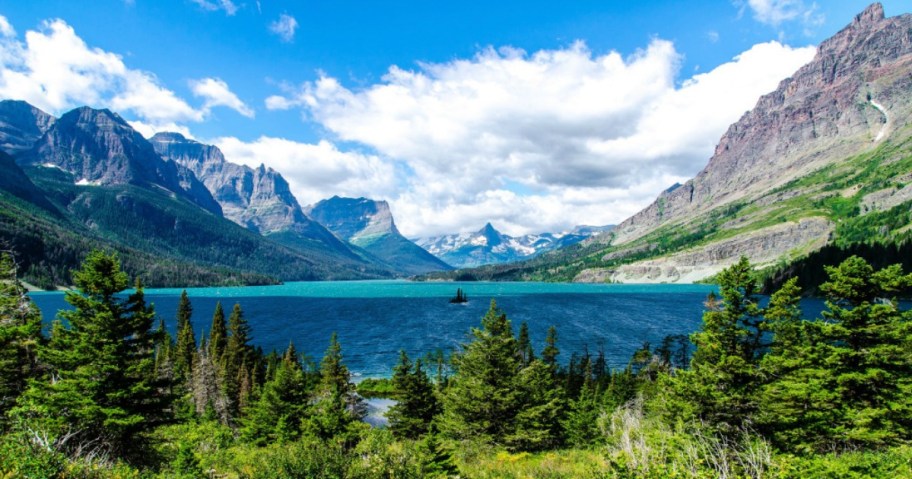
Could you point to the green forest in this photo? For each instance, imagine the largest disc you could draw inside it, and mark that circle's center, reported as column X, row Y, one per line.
column 758, row 391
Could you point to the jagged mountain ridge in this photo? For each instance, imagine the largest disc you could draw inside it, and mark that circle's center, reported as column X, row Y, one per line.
column 99, row 148
column 21, row 125
column 490, row 246
column 369, row 224
column 91, row 181
column 259, row 199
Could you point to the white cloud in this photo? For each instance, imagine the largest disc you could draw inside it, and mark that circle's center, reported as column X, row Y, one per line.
column 55, row 70
column 149, row 129
column 216, row 93
column 776, row 12
column 544, row 140
column 214, row 5
column 318, row 171
column 6, row 29
column 284, row 27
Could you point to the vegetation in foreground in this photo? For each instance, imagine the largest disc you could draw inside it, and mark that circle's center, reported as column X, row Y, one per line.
column 107, row 393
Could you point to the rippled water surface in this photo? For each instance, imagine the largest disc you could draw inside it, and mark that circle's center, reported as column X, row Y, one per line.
column 375, row 319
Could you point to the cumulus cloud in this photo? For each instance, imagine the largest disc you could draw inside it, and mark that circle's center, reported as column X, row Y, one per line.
column 776, row 12
column 284, row 27
column 55, row 70
column 215, row 5
column 216, row 93
column 316, row 171
column 543, row 140
column 6, row 29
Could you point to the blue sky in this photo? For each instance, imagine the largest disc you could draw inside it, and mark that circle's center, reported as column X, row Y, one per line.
column 533, row 115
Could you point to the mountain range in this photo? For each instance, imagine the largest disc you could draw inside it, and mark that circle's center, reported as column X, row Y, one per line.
column 822, row 161
column 489, row 246
column 174, row 209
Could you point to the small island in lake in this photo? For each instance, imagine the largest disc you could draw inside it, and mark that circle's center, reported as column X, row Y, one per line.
column 460, row 297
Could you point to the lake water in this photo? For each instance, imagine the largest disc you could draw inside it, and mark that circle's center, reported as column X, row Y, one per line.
column 376, row 319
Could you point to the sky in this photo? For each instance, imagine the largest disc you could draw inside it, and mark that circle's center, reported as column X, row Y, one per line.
column 532, row 115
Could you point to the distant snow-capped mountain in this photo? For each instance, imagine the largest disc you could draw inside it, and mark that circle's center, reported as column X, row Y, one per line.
column 489, row 246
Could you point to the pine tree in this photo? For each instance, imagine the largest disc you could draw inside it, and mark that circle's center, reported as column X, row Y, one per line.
column 20, row 334
column 102, row 366
column 338, row 409
column 281, row 409
column 524, row 345
column 218, row 334
column 236, row 356
column 417, row 405
column 481, row 401
column 725, row 367
column 549, row 354
column 537, row 424
column 869, row 353
column 186, row 340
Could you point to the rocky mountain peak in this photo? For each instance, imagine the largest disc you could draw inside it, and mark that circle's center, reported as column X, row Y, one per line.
column 21, row 125
column 354, row 218
column 491, row 236
column 853, row 95
column 99, row 148
column 873, row 14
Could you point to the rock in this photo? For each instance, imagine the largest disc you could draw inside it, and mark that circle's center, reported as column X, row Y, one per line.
column 369, row 224
column 21, row 125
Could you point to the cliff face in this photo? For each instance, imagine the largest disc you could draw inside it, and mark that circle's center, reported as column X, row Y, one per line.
column 21, row 125
column 369, row 225
column 853, row 95
column 99, row 148
column 257, row 198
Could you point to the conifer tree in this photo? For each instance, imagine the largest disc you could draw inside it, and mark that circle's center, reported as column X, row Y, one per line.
column 524, row 345
column 549, row 354
column 482, row 401
column 724, row 370
column 537, row 424
column 102, row 367
column 338, row 409
column 416, row 405
column 281, row 409
column 218, row 334
column 20, row 334
column 236, row 356
column 186, row 339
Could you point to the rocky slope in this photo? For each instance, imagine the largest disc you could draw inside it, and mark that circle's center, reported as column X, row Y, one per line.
column 823, row 160
column 369, row 225
column 844, row 112
column 853, row 95
column 256, row 198
column 99, row 148
column 21, row 125
column 489, row 246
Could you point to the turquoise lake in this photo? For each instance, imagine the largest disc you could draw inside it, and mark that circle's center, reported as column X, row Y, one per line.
column 375, row 319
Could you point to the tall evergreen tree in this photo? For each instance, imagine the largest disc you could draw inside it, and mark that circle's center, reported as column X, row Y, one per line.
column 482, row 401
column 235, row 359
column 524, row 345
column 218, row 334
column 280, row 412
column 20, row 334
column 549, row 354
column 338, row 409
column 416, row 405
column 101, row 359
column 724, row 370
column 186, row 339
column 537, row 424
